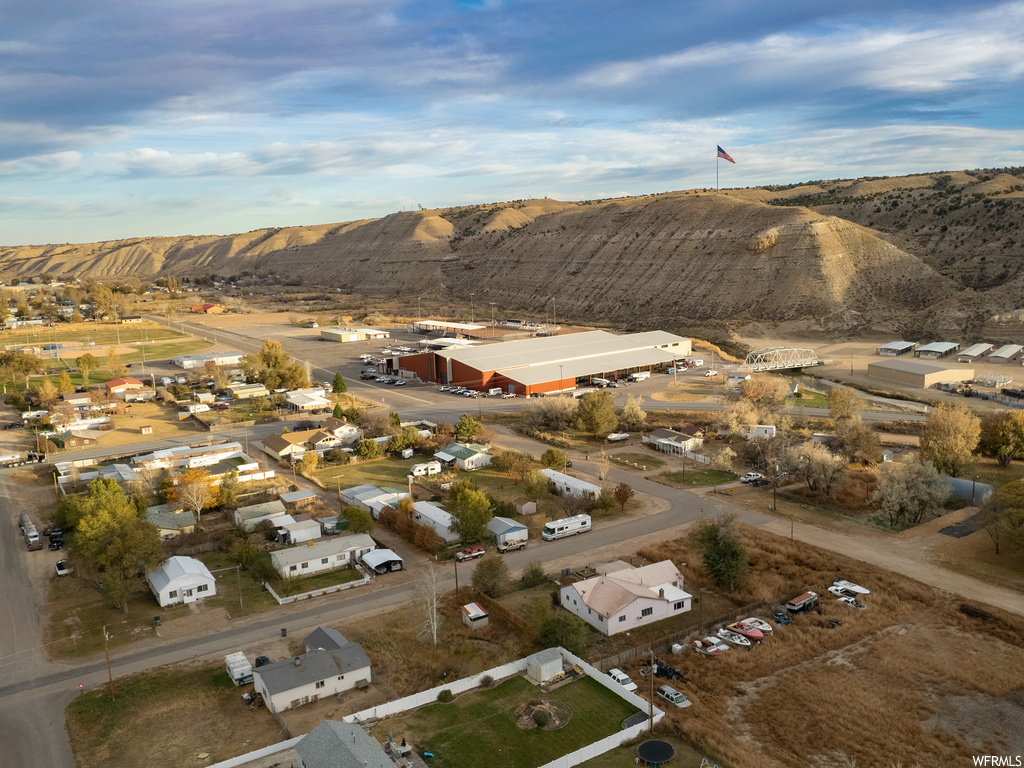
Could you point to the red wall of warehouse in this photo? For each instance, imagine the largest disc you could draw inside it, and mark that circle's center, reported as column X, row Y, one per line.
column 466, row 376
column 418, row 364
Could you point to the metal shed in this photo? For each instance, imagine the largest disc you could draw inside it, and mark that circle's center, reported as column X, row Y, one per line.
column 936, row 349
column 972, row 352
column 1005, row 353
column 895, row 348
column 544, row 665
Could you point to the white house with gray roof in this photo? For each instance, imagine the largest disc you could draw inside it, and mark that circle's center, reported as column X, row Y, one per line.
column 330, row 666
column 171, row 520
column 326, row 555
column 254, row 514
column 181, row 580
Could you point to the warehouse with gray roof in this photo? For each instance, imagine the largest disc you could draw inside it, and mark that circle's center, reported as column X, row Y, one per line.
column 918, row 373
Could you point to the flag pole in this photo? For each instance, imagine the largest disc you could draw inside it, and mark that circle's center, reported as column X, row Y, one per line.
column 716, row 170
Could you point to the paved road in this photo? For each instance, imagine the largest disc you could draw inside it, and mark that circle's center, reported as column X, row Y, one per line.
column 34, row 692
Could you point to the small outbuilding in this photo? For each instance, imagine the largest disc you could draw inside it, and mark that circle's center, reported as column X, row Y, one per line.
column 544, row 665
column 936, row 349
column 895, row 348
column 474, row 616
column 526, row 507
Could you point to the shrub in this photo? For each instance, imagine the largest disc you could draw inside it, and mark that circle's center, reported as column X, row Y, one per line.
column 533, row 574
column 445, row 696
column 540, row 717
column 486, row 682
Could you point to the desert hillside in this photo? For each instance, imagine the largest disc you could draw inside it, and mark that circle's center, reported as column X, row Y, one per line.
column 938, row 252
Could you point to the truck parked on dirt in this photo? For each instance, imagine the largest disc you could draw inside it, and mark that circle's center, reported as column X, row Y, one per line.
column 238, row 667
column 470, row 553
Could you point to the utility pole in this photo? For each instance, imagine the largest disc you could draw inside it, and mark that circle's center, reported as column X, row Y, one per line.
column 472, row 307
column 238, row 575
column 650, row 682
column 492, row 318
column 106, row 649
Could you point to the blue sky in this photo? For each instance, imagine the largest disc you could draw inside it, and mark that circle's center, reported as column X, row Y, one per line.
column 121, row 118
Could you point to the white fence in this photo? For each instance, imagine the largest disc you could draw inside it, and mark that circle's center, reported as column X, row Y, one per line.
column 269, row 757
column 319, row 592
column 500, row 673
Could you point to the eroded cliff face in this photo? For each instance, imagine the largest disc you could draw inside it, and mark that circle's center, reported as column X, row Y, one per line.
column 655, row 261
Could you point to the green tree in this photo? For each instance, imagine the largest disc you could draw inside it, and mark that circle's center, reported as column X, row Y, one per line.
column 856, row 441
column 308, row 462
column 553, row 458
column 843, row 403
column 949, row 438
column 338, row 412
column 113, row 538
column 338, row 386
column 596, row 413
column 86, row 363
column 1002, row 436
column 359, row 520
column 405, row 437
column 908, row 493
column 491, row 576
column 471, row 511
column 515, row 463
column 535, row 485
column 367, row 450
column 533, row 574
column 227, row 491
column 467, row 427
column 623, row 493
column 64, row 385
column 565, row 630
column 723, row 555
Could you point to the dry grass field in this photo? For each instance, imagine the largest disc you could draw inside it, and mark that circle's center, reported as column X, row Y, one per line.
column 911, row 680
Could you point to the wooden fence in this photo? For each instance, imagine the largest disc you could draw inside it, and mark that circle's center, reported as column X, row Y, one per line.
column 493, row 606
column 664, row 644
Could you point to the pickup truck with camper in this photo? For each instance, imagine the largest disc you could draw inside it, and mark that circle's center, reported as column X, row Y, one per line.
column 804, row 602
column 568, row 526
column 618, row 437
column 470, row 553
column 640, row 376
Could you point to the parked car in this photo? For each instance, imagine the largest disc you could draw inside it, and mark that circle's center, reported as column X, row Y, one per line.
column 470, row 553
column 760, row 482
column 751, row 477
column 221, row 406
column 672, row 696
column 401, row 383
column 710, row 373
column 63, row 569
column 622, row 679
column 262, row 661
column 367, row 376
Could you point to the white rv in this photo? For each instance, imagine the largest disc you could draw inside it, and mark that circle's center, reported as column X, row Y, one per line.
column 569, row 526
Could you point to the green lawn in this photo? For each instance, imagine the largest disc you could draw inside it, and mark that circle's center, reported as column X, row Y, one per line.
column 380, row 473
column 99, row 333
column 316, row 581
column 478, row 729
column 807, row 399
column 701, row 477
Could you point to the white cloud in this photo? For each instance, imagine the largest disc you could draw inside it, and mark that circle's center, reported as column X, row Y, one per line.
column 56, row 162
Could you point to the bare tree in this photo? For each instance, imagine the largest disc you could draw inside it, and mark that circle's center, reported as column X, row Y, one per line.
column 633, row 414
column 603, row 466
column 428, row 594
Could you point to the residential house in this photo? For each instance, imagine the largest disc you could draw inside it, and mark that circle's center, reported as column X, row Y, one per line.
column 327, row 555
column 373, row 499
column 118, row 387
column 250, row 516
column 432, row 516
column 307, row 402
column 466, row 456
column 130, row 320
column 79, row 400
column 673, row 442
column 331, row 666
column 347, row 433
column 181, row 580
column 567, row 485
column 757, row 430
column 623, row 600
column 81, row 439
column 289, row 446
column 332, row 744
column 170, row 520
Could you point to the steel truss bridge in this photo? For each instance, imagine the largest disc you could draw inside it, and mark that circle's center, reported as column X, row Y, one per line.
column 779, row 358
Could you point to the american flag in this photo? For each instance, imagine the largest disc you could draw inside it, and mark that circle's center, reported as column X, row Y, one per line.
column 725, row 156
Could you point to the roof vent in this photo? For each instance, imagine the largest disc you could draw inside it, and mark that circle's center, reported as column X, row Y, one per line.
column 298, row 661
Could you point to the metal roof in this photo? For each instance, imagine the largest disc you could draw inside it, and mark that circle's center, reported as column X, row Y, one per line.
column 500, row 525
column 333, row 546
column 1007, row 351
column 177, row 567
column 592, row 366
column 439, row 324
column 331, row 744
column 938, row 346
column 898, row 345
column 378, row 557
column 547, row 350
column 914, row 366
column 312, row 667
column 975, row 350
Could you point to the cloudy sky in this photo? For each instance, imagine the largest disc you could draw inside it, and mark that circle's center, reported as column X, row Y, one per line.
column 121, row 118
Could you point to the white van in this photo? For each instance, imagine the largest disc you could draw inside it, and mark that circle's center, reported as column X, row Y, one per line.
column 641, row 376
column 569, row 526
column 494, row 392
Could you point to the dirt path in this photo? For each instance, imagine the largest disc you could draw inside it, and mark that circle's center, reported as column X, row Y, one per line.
column 893, row 554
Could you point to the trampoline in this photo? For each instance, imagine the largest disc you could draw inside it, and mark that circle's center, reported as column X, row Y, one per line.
column 655, row 752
